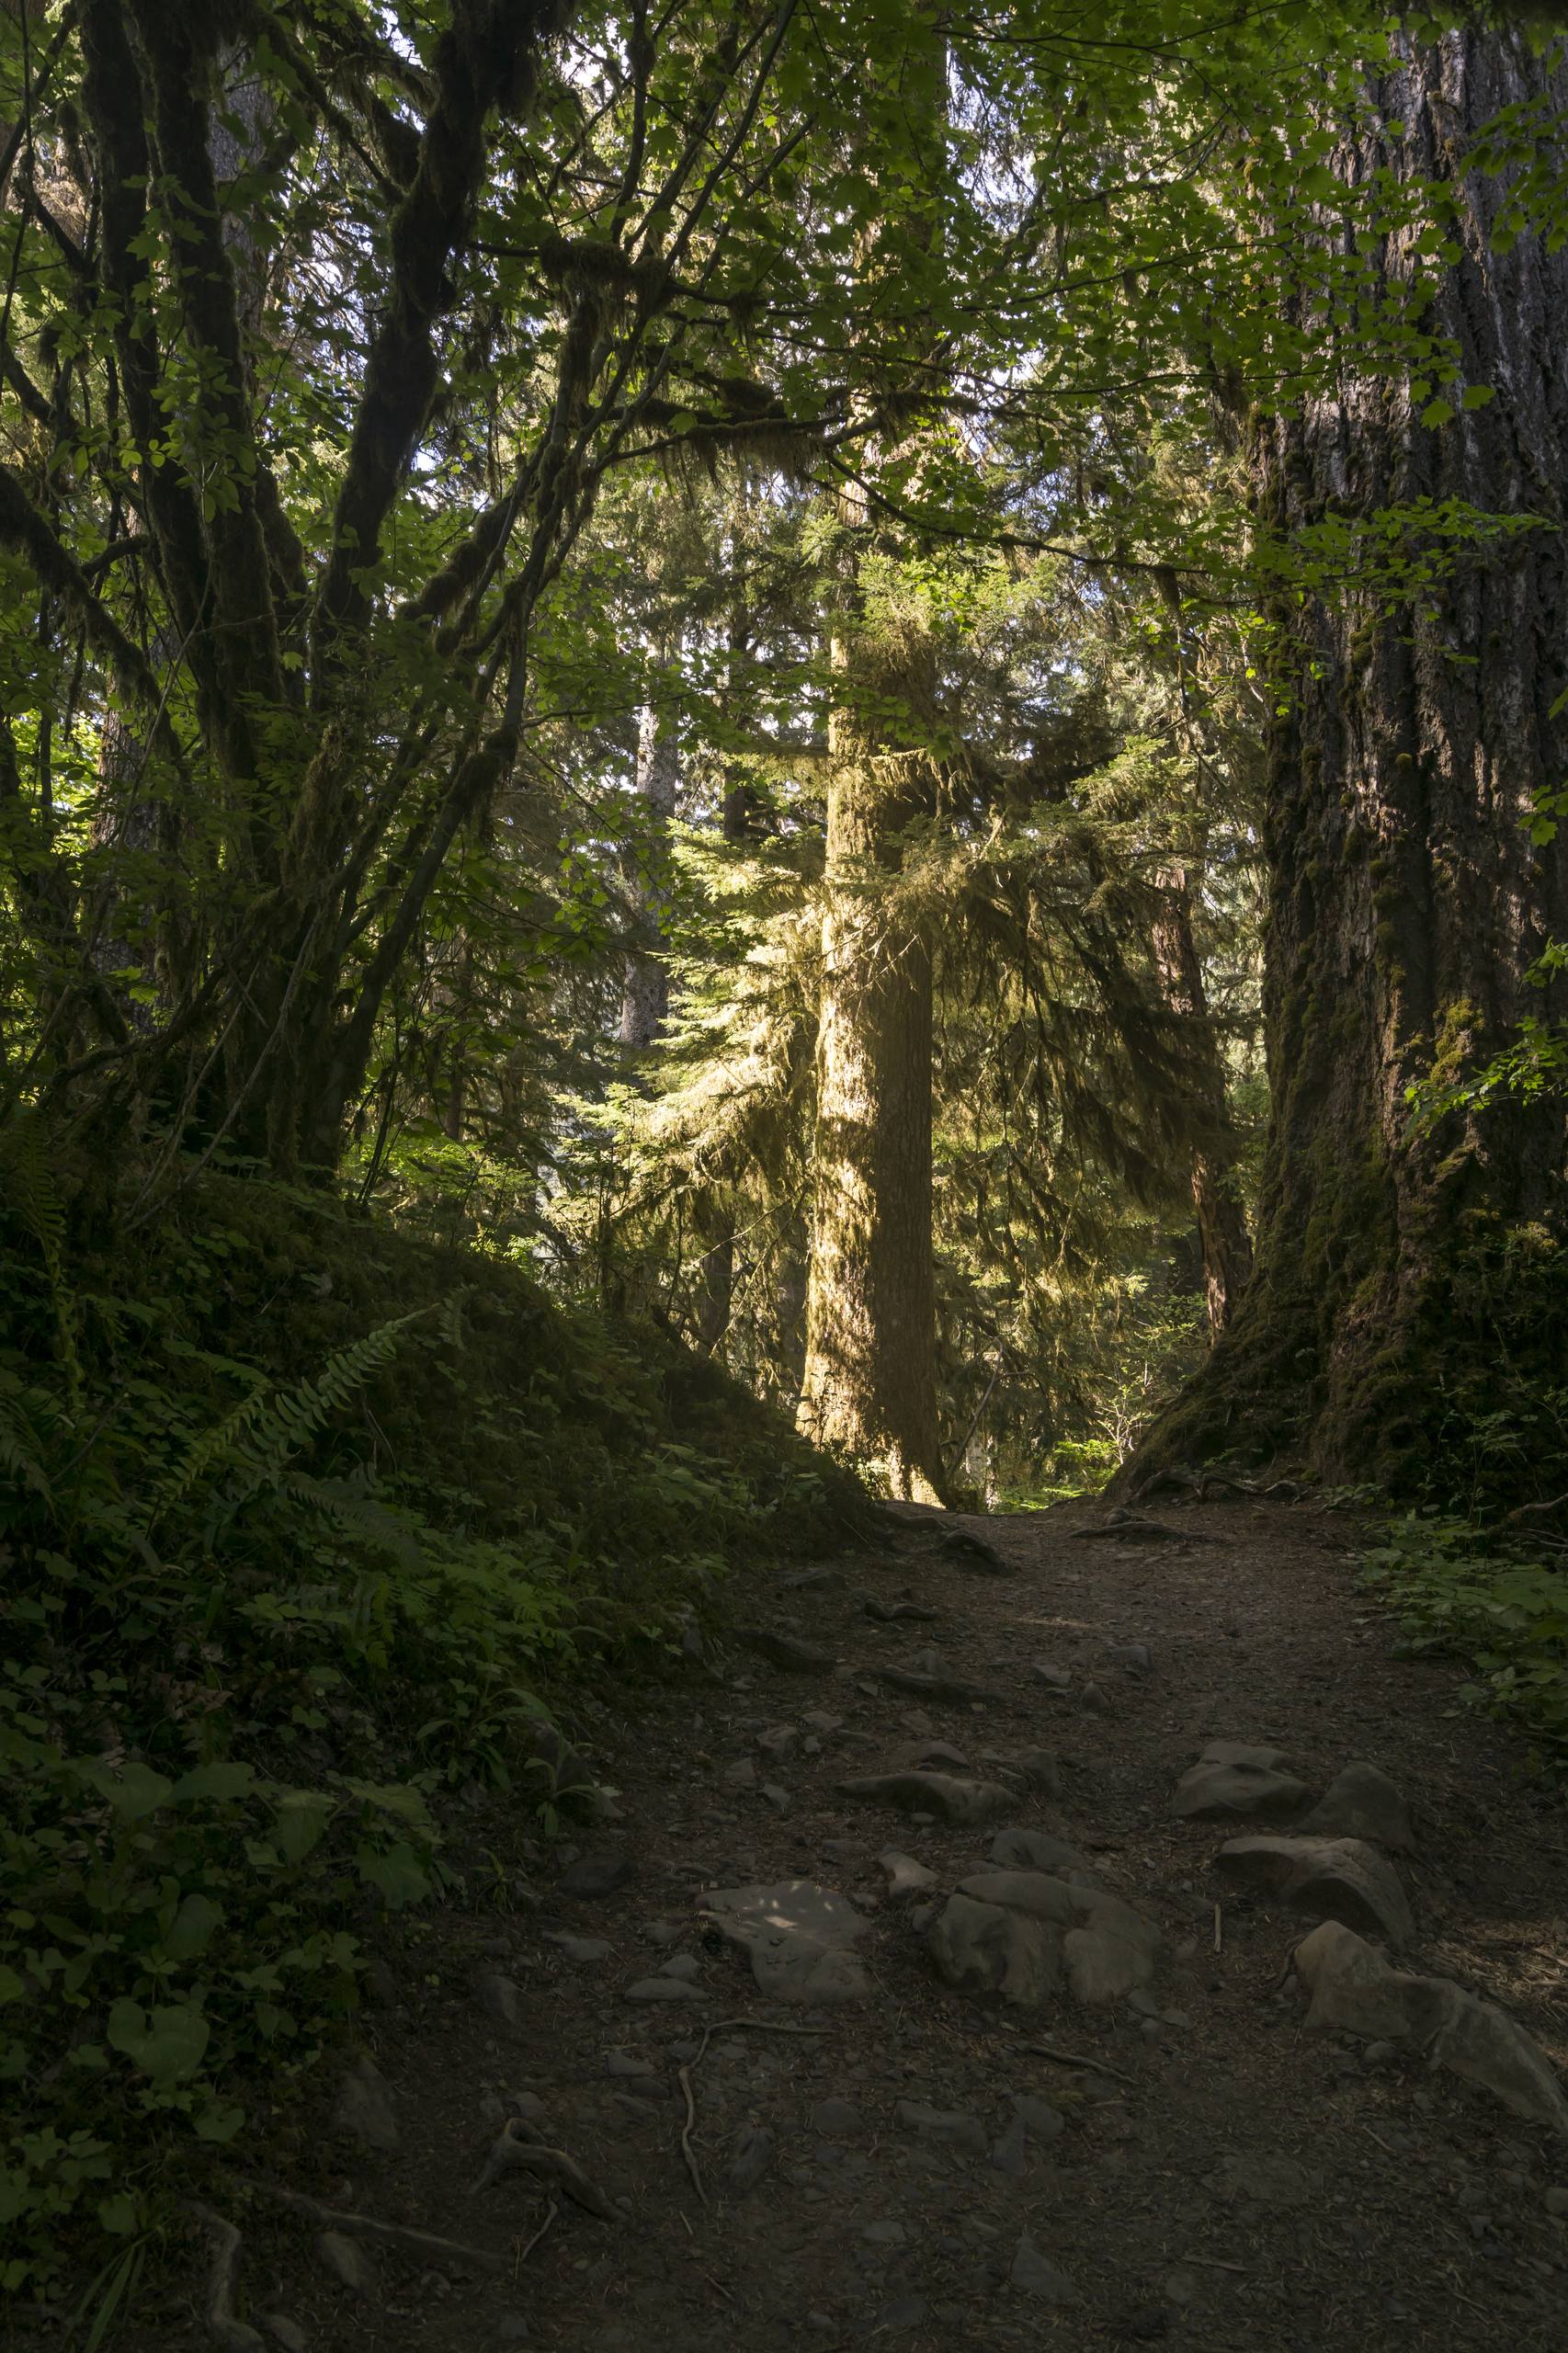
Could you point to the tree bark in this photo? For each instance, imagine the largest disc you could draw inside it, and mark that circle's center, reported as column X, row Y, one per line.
column 1222, row 1237
column 869, row 1385
column 1409, row 1313
column 646, row 992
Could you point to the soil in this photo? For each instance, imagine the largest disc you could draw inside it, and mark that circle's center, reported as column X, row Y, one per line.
column 1229, row 2184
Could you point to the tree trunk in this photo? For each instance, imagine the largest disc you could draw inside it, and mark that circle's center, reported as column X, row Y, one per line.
column 1222, row 1235
column 870, row 1384
column 1409, row 1313
column 645, row 993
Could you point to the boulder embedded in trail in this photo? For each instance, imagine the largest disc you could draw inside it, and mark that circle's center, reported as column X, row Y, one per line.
column 964, row 1803
column 1354, row 1991
column 989, row 1949
column 799, row 1936
column 1362, row 1803
column 1328, row 1879
column 1021, row 1933
column 1036, row 1850
column 1232, row 1780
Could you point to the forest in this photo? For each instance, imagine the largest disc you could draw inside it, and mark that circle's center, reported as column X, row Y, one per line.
column 761, row 761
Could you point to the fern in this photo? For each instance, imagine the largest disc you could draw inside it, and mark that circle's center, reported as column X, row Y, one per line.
column 34, row 1198
column 285, row 1426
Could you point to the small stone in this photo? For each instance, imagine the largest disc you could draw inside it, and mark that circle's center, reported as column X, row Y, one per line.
column 628, row 2062
column 1055, row 1679
column 1555, row 2200
column 952, row 2127
column 1362, row 1803
column 663, row 1932
column 501, row 1998
column 783, row 1651
column 663, row 1989
column 820, row 1720
column 364, row 2110
column 1092, row 1700
column 582, row 1948
column 778, row 1739
column 884, row 2234
column 346, row 2260
column 512, row 2329
column 1179, row 2287
column 777, row 1796
column 1037, row 2277
column 752, row 2155
column 904, row 1875
column 741, row 1775
column 1380, row 2055
column 1041, row 1771
column 818, row 1580
column 683, row 1965
column 286, row 2331
column 938, row 1752
column 1039, row 2118
column 596, row 1875
column 964, row 1803
column 838, row 2115
column 1137, row 1658
column 530, row 2107
column 904, row 2312
column 1007, row 2152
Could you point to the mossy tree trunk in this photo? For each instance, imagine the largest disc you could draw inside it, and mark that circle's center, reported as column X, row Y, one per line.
column 869, row 1383
column 1409, row 1287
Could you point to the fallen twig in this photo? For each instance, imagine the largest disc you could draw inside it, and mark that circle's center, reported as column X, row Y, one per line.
column 517, row 2148
column 544, row 2226
column 371, row 2226
column 687, row 2152
column 231, row 2332
column 1076, row 2059
column 757, row 2026
column 1219, row 1930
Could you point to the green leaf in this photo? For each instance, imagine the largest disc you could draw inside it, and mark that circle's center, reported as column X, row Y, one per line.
column 222, row 1781
column 117, row 2214
column 218, row 2121
column 398, row 1873
column 1437, row 413
column 169, row 2047
column 302, row 1823
column 1477, row 395
column 194, row 1925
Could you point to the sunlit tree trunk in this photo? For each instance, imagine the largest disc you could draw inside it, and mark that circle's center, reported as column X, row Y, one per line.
column 1410, row 1289
column 870, row 1384
column 646, row 992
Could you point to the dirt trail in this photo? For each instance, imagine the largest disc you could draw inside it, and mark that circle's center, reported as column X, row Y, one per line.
column 1231, row 2183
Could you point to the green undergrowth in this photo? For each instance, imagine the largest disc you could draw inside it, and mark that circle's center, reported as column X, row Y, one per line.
column 1458, row 1595
column 304, row 1524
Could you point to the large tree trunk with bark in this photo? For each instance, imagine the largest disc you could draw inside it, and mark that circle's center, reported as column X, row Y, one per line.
column 1411, row 1286
column 870, row 1384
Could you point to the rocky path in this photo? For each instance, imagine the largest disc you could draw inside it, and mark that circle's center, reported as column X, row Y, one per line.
column 932, row 1982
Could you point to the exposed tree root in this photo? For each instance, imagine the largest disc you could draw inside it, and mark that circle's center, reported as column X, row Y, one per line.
column 370, row 2226
column 519, row 2149
column 226, row 2328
